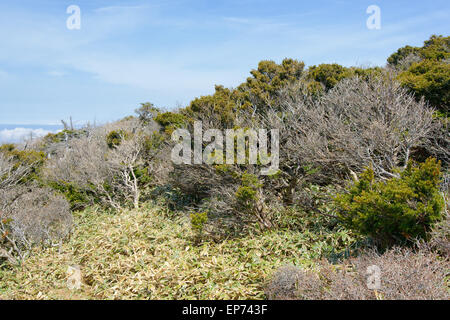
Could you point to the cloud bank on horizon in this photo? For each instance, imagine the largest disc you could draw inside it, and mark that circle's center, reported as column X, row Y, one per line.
column 19, row 134
column 169, row 52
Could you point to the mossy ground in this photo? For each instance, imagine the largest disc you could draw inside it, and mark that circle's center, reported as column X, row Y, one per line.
column 151, row 254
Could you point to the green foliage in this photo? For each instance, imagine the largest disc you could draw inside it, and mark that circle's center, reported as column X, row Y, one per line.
column 429, row 77
column 142, row 175
column 146, row 112
column 272, row 76
column 7, row 148
column 221, row 105
column 35, row 159
column 247, row 192
column 114, row 138
column 152, row 143
column 436, row 48
column 198, row 221
column 62, row 136
column 368, row 73
column 23, row 156
column 78, row 198
column 390, row 211
column 261, row 89
column 328, row 74
column 224, row 169
column 170, row 121
column 402, row 53
column 399, row 209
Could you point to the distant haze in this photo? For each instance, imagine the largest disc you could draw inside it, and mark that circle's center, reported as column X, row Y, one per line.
column 15, row 133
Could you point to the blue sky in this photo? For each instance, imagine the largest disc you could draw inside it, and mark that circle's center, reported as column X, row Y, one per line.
column 168, row 52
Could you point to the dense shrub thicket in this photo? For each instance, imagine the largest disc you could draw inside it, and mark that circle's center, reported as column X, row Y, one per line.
column 334, row 122
column 30, row 213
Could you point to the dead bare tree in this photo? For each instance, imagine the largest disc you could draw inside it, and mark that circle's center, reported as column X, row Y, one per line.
column 122, row 163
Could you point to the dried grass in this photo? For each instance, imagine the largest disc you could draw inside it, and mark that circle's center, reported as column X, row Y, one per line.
column 149, row 254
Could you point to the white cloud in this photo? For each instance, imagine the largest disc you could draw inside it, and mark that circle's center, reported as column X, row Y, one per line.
column 56, row 73
column 19, row 134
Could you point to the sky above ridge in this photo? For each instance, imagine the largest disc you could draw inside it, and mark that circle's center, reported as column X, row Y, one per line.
column 169, row 52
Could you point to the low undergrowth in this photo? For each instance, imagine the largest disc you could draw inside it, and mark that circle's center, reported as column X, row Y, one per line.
column 151, row 253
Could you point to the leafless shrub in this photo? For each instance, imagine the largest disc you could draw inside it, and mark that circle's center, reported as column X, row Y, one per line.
column 405, row 275
column 122, row 162
column 81, row 163
column 438, row 144
column 293, row 283
column 108, row 174
column 12, row 173
column 356, row 124
column 31, row 215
